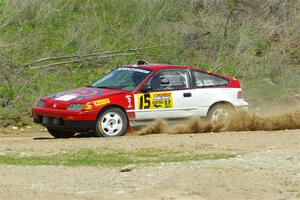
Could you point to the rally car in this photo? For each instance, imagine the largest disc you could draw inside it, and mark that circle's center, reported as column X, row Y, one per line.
column 135, row 95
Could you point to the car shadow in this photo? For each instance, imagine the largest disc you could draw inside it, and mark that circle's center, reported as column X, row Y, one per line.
column 77, row 135
column 43, row 138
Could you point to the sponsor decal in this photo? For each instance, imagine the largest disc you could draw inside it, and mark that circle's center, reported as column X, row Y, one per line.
column 134, row 69
column 81, row 93
column 155, row 100
column 66, row 97
column 101, row 102
column 128, row 97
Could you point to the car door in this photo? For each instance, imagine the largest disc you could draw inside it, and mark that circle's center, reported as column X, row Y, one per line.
column 170, row 96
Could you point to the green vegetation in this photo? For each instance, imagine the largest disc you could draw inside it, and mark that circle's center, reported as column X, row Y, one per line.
column 255, row 41
column 111, row 158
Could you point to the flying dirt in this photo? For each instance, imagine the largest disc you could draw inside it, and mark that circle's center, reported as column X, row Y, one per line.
column 240, row 121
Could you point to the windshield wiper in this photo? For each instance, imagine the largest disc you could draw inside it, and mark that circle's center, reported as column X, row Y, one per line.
column 104, row 87
column 100, row 87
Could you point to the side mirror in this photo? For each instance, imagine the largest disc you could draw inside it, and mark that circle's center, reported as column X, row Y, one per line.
column 146, row 88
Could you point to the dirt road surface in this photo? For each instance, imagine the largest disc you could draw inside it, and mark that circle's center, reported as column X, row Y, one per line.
column 266, row 166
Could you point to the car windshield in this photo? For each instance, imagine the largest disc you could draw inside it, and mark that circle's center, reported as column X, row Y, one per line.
column 124, row 78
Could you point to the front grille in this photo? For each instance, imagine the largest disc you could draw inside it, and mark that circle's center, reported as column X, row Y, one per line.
column 50, row 120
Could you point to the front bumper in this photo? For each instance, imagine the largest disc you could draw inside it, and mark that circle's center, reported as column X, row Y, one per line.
column 65, row 119
column 59, row 123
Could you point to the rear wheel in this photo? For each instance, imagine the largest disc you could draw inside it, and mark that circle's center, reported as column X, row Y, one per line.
column 220, row 115
column 112, row 122
column 60, row 133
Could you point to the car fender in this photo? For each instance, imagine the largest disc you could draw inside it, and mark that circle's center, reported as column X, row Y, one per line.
column 123, row 101
column 211, row 96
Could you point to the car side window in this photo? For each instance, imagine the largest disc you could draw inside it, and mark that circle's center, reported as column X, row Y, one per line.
column 208, row 80
column 170, row 79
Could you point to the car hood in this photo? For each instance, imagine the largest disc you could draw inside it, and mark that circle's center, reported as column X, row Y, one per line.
column 83, row 95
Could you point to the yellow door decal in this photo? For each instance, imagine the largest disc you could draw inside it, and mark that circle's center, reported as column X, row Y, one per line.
column 155, row 100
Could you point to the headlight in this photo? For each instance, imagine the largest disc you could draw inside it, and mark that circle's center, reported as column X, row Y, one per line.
column 74, row 107
column 41, row 104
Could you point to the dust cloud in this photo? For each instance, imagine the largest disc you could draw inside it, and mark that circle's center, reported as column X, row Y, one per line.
column 240, row 121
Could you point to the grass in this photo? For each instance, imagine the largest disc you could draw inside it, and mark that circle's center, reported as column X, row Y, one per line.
column 111, row 158
column 259, row 45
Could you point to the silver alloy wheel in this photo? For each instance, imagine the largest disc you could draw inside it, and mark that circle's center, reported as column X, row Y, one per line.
column 220, row 117
column 111, row 124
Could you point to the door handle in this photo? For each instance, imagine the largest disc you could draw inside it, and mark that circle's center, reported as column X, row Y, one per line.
column 187, row 94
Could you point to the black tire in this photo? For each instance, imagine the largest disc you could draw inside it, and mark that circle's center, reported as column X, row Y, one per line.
column 60, row 133
column 225, row 113
column 111, row 122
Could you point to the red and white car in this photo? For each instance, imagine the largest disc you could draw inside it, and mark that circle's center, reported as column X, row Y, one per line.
column 135, row 95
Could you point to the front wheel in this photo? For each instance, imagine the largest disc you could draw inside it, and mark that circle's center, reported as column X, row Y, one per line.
column 60, row 133
column 220, row 116
column 112, row 122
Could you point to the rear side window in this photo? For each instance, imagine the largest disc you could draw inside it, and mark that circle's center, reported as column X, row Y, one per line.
column 209, row 80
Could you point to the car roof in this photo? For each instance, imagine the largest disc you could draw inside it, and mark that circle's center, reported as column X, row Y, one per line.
column 156, row 67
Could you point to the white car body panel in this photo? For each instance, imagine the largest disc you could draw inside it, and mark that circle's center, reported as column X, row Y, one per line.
column 182, row 107
column 206, row 97
column 197, row 104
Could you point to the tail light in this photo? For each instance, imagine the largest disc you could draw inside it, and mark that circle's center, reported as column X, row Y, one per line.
column 240, row 95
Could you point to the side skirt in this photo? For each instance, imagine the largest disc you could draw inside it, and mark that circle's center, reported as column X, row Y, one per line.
column 138, row 123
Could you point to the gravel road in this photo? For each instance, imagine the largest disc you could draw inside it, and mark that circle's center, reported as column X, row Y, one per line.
column 266, row 166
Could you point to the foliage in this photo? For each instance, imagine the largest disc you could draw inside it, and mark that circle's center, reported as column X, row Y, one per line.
column 262, row 42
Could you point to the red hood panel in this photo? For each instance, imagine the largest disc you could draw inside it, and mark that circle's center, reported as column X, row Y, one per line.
column 82, row 95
